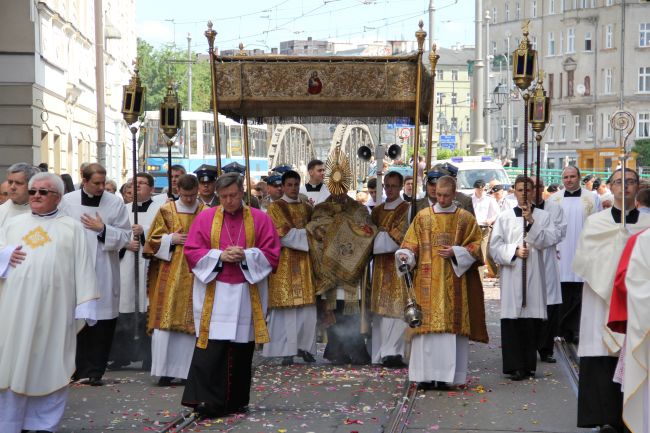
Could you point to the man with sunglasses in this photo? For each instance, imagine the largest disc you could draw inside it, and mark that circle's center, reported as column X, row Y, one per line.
column 18, row 176
column 47, row 272
column 107, row 228
column 600, row 400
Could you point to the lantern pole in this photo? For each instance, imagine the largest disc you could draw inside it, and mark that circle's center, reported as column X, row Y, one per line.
column 133, row 95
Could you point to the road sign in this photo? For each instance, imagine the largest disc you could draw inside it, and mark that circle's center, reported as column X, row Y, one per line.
column 448, row 142
column 404, row 133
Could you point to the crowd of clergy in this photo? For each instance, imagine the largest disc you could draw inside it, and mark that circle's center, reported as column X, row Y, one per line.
column 190, row 282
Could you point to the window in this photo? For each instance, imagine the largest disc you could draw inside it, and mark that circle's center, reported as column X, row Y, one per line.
column 440, row 74
column 589, row 130
column 504, row 128
column 494, row 48
column 644, row 35
column 562, row 5
column 587, row 41
column 569, row 86
column 550, row 134
column 507, row 11
column 576, row 127
column 454, row 74
column 534, row 42
column 607, row 77
column 439, row 98
column 609, row 2
column 609, row 36
column 551, row 44
column 571, row 40
column 454, row 98
column 560, row 46
column 515, row 129
column 643, row 125
column 587, row 85
column 644, row 79
column 533, row 9
column 494, row 15
column 208, row 138
column 606, row 127
column 562, row 128
column 550, row 85
column 551, row 7
column 560, row 90
column 517, row 11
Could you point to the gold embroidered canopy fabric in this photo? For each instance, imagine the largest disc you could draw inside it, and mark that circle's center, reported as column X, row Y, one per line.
column 268, row 86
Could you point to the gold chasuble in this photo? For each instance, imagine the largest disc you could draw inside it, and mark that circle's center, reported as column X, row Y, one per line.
column 169, row 283
column 388, row 290
column 291, row 285
column 449, row 304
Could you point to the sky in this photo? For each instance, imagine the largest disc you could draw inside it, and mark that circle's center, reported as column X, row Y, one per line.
column 264, row 24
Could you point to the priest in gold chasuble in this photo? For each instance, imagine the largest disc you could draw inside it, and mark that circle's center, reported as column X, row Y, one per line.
column 388, row 296
column 292, row 299
column 443, row 244
column 340, row 236
column 171, row 319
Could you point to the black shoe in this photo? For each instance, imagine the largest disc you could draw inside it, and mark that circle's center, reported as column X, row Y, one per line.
column 117, row 365
column 426, row 386
column 209, row 411
column 607, row 429
column 393, row 361
column 306, row 356
column 518, row 375
column 548, row 359
column 94, row 381
column 340, row 360
column 287, row 360
column 165, row 381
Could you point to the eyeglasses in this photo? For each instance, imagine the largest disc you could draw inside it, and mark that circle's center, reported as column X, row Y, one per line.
column 627, row 181
column 43, row 192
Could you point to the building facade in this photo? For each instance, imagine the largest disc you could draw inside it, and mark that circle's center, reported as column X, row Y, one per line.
column 595, row 55
column 48, row 84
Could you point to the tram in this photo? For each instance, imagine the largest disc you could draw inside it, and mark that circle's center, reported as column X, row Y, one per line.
column 194, row 145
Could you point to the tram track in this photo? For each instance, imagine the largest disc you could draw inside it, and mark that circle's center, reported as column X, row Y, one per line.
column 398, row 421
column 568, row 357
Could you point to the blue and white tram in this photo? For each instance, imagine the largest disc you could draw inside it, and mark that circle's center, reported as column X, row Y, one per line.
column 195, row 145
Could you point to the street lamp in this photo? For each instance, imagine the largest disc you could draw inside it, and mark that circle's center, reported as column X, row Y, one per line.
column 170, row 123
column 499, row 96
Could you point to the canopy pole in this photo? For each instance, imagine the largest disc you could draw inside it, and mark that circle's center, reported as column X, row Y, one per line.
column 247, row 159
column 210, row 35
column 420, row 35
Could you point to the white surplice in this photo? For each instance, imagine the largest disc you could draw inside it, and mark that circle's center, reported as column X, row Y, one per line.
column 106, row 260
column 37, row 326
column 600, row 234
column 636, row 388
column 507, row 235
column 551, row 262
column 576, row 210
column 315, row 197
column 232, row 315
column 387, row 332
column 9, row 209
column 292, row 329
column 171, row 352
column 127, row 265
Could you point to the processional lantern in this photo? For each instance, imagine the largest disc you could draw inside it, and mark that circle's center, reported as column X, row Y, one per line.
column 170, row 113
column 170, row 123
column 133, row 98
column 524, row 62
column 132, row 107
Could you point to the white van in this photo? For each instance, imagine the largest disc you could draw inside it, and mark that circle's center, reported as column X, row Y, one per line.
column 469, row 169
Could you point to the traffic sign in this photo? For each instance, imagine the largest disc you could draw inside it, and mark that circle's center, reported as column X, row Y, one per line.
column 404, row 133
column 447, row 142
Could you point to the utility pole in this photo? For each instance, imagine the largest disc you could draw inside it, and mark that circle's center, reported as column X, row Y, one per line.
column 488, row 101
column 508, row 99
column 189, row 72
column 431, row 22
column 99, row 83
column 434, row 148
column 477, row 145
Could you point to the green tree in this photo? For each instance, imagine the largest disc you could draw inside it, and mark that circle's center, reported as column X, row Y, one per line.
column 158, row 66
column 642, row 149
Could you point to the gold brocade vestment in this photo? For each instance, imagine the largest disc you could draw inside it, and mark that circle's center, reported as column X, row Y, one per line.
column 340, row 236
column 449, row 304
column 291, row 285
column 388, row 290
column 169, row 283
